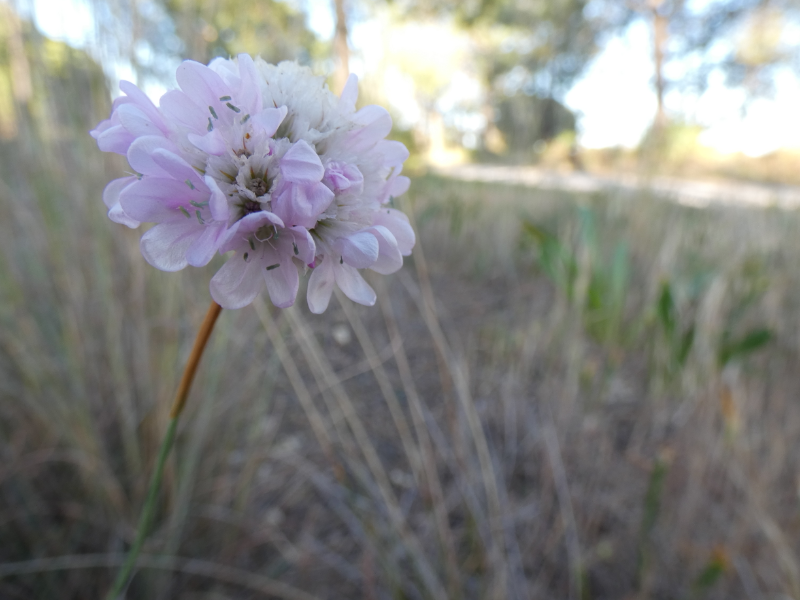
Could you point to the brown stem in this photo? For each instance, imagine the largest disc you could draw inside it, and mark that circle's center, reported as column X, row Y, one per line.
column 194, row 358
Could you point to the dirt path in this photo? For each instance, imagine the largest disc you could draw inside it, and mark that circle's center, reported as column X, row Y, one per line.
column 683, row 191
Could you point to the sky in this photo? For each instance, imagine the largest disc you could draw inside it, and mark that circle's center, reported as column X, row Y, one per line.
column 614, row 100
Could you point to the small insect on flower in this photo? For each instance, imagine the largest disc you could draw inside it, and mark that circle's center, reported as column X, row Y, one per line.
column 283, row 174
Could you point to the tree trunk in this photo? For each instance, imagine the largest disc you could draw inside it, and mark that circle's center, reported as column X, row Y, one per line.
column 340, row 49
column 660, row 32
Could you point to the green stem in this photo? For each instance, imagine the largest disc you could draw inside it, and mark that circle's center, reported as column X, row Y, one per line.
column 148, row 512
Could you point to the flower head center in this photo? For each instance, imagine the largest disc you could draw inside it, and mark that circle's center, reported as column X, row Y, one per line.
column 258, row 186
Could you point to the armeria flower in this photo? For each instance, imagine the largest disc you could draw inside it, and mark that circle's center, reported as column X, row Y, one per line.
column 264, row 161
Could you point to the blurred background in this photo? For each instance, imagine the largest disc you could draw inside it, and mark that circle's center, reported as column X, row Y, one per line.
column 583, row 384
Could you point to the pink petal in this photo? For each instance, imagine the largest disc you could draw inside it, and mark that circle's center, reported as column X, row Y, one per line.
column 359, row 250
column 217, row 203
column 301, row 204
column 136, row 122
column 210, row 143
column 249, row 95
column 140, row 99
column 270, row 119
column 237, row 283
column 178, row 107
column 112, row 191
column 117, row 215
column 398, row 186
column 320, row 286
column 353, row 285
column 376, row 125
column 240, row 231
column 140, row 154
column 396, row 222
column 115, row 139
column 302, row 239
column 389, row 258
column 205, row 245
column 282, row 281
column 165, row 245
column 202, row 85
column 158, row 199
column 177, row 168
column 347, row 101
column 301, row 164
column 111, row 199
column 394, row 153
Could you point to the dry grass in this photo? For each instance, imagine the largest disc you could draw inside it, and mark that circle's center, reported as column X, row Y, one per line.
column 521, row 416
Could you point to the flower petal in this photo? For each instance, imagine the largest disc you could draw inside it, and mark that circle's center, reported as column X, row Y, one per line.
column 389, row 258
column 359, row 250
column 394, row 153
column 282, row 281
column 353, row 285
column 217, row 203
column 140, row 154
column 114, row 188
column 117, row 215
column 205, row 245
column 140, row 99
column 115, row 139
column 177, row 168
column 301, row 164
column 158, row 199
column 397, row 186
column 136, row 121
column 165, row 245
column 249, row 95
column 202, row 85
column 210, row 143
column 376, row 125
column 179, row 108
column 320, row 286
column 396, row 222
column 270, row 119
column 237, row 283
column 347, row 101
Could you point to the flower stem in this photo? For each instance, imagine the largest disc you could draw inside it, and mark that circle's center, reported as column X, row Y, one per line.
column 148, row 510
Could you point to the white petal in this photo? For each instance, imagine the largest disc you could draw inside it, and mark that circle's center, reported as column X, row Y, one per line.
column 136, row 122
column 205, row 245
column 282, row 282
column 114, row 188
column 353, row 285
column 347, row 101
column 270, row 119
column 301, row 164
column 396, row 222
column 116, row 214
column 217, row 203
column 140, row 154
column 165, row 245
column 359, row 250
column 320, row 286
column 210, row 143
column 237, row 283
column 389, row 258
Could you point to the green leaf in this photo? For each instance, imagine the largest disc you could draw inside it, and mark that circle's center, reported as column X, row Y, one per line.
column 740, row 348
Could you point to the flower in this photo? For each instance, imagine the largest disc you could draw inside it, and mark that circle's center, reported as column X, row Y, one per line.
column 265, row 162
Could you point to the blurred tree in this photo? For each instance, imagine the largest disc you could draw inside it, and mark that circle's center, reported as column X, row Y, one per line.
column 746, row 40
column 530, row 52
column 275, row 30
column 153, row 35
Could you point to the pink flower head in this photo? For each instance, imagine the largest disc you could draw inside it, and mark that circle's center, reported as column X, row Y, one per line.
column 265, row 162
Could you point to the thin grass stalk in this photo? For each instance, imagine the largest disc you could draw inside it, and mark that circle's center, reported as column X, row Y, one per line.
column 148, row 510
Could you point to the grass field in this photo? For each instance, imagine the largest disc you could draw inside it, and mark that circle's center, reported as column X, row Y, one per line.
column 559, row 396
